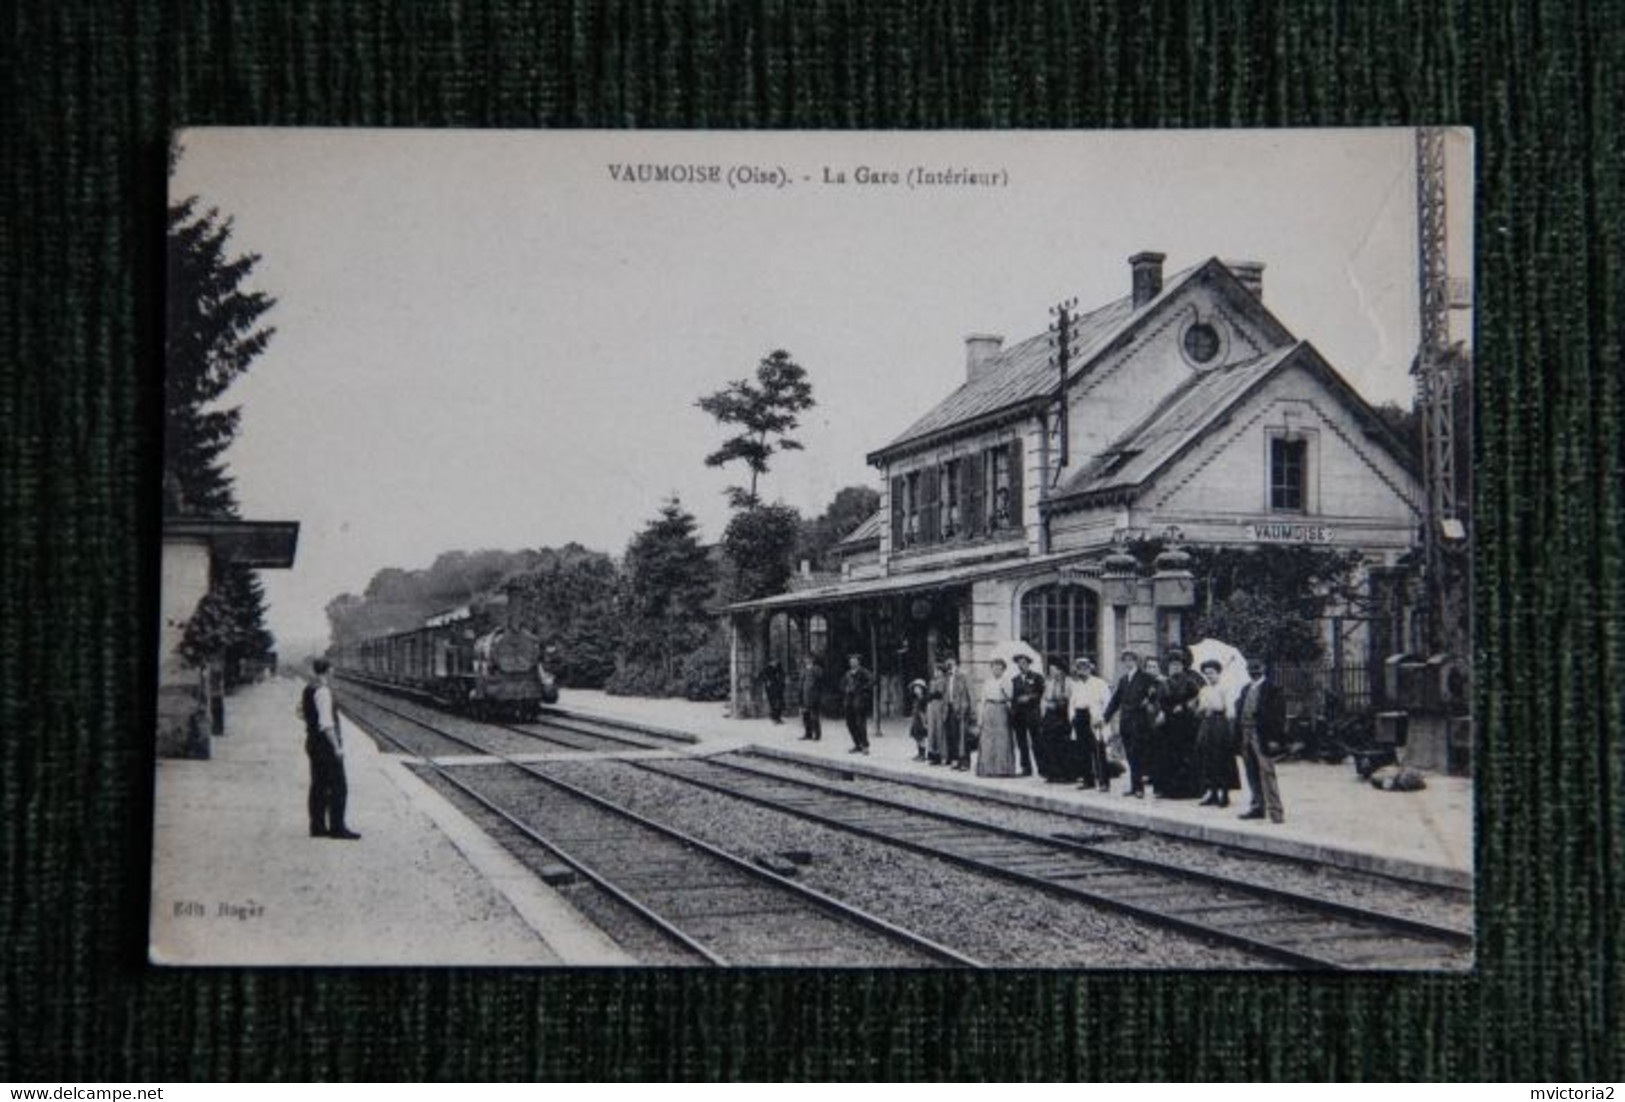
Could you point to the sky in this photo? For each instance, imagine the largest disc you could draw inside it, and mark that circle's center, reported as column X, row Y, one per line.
column 484, row 340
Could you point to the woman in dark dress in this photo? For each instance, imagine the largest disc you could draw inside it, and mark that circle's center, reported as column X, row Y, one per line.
column 1215, row 743
column 918, row 691
column 1176, row 765
column 1055, row 725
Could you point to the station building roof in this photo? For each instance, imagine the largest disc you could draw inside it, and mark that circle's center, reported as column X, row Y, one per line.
column 1024, row 372
column 1190, row 412
column 263, row 544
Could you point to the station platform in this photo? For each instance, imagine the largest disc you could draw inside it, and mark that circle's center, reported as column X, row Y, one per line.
column 1332, row 816
column 237, row 880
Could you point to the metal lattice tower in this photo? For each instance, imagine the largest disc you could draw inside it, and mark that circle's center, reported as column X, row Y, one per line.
column 1436, row 365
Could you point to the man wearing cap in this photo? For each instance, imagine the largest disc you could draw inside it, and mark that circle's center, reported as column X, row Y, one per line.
column 1026, row 710
column 812, row 678
column 960, row 714
column 1133, row 704
column 855, row 688
column 1090, row 697
column 324, row 746
column 1261, row 719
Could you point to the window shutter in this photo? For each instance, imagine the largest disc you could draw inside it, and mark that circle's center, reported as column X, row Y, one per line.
column 1015, row 484
column 896, row 513
column 930, row 513
column 972, row 496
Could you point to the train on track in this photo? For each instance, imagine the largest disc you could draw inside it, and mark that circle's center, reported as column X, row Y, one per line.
column 499, row 673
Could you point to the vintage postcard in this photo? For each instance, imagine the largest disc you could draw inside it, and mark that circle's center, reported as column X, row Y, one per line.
column 900, row 550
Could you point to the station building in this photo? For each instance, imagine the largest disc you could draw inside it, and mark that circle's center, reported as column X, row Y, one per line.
column 1188, row 413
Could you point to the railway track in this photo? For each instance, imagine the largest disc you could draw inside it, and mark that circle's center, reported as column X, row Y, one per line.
column 716, row 908
column 556, row 729
column 1275, row 924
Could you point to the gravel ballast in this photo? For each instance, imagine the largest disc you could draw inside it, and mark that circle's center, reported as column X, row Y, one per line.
column 994, row 921
column 1443, row 906
column 746, row 919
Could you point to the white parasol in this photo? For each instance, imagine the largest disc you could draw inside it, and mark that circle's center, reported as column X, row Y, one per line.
column 1233, row 671
column 1008, row 650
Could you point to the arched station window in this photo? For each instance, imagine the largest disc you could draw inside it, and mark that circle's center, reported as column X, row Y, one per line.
column 1063, row 620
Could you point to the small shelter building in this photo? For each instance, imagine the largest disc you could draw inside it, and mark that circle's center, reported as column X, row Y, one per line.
column 191, row 702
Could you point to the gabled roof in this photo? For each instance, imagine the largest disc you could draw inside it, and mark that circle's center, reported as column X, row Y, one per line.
column 1022, row 374
column 867, row 532
column 1206, row 401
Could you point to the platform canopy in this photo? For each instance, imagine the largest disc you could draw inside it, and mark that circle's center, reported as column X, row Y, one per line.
column 912, row 582
column 263, row 544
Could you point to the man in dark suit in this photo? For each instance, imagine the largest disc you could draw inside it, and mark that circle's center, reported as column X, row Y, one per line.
column 773, row 689
column 1134, row 699
column 1261, row 720
column 960, row 714
column 856, row 685
column 1026, row 713
column 812, row 677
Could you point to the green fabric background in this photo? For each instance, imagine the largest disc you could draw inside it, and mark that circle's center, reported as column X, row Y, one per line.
column 91, row 91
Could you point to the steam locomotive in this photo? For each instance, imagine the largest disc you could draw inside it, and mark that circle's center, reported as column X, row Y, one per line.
column 499, row 674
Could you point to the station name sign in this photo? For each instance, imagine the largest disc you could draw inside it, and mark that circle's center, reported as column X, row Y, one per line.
column 1275, row 531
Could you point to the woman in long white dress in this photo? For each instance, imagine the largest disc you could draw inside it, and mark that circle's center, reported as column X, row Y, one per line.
column 996, row 754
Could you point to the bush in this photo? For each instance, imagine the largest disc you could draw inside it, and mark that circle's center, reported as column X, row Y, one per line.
column 632, row 678
column 705, row 670
column 583, row 661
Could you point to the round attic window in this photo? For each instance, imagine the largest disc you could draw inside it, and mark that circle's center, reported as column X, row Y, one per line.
column 1201, row 342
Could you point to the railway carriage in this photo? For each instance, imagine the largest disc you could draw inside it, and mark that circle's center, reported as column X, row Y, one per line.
column 500, row 673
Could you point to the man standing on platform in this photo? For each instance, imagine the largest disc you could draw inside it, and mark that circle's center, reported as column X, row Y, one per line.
column 1261, row 719
column 812, row 676
column 773, row 689
column 324, row 745
column 1026, row 710
column 1134, row 701
column 856, row 686
column 960, row 714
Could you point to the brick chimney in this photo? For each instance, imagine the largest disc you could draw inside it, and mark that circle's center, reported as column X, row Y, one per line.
column 1147, row 272
column 981, row 349
column 1250, row 273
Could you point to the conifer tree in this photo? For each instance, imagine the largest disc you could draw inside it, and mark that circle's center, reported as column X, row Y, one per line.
column 213, row 333
column 669, row 580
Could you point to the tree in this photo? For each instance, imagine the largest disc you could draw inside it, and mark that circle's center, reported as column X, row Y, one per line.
column 569, row 603
column 759, row 544
column 1265, row 600
column 213, row 336
column 668, row 582
column 851, row 506
column 1405, row 422
column 765, row 412
column 228, row 623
